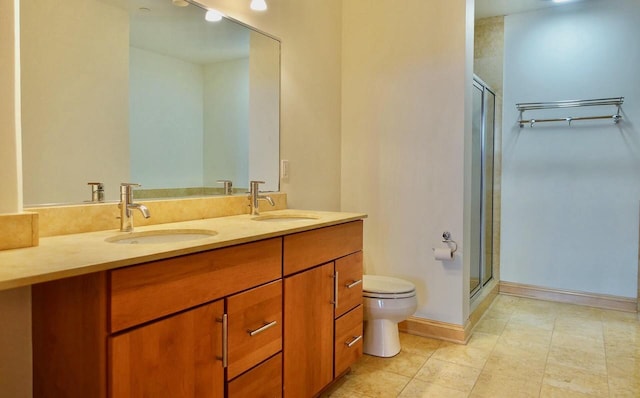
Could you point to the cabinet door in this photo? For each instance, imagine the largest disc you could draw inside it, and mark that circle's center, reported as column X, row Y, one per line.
column 308, row 331
column 173, row 357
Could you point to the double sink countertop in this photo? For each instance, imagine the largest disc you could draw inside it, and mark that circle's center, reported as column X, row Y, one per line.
column 65, row 256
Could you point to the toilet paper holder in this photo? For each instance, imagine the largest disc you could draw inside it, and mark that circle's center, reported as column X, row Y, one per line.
column 446, row 238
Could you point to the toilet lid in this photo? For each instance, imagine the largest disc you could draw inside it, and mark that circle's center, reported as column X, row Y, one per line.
column 386, row 285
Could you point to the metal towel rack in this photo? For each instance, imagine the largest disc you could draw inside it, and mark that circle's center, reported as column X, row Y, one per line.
column 528, row 106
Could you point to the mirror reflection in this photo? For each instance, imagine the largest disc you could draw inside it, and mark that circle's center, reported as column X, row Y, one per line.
column 144, row 91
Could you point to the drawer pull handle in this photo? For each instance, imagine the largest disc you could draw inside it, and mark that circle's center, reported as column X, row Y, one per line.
column 225, row 340
column 262, row 328
column 335, row 290
column 354, row 283
column 352, row 342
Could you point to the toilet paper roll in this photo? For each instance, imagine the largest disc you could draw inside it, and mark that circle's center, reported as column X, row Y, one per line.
column 442, row 254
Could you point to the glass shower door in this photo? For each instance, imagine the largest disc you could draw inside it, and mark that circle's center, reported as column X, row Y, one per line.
column 483, row 124
column 476, row 190
column 488, row 131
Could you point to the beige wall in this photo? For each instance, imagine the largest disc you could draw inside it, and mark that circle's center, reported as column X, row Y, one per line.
column 15, row 305
column 405, row 81
column 264, row 119
column 10, row 173
column 310, row 134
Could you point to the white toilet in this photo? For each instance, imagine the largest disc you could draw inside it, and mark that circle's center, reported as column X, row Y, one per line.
column 387, row 301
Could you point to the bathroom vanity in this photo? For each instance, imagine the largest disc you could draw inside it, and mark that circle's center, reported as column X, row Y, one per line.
column 277, row 313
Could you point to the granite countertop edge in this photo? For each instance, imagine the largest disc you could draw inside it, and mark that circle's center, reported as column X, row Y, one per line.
column 66, row 256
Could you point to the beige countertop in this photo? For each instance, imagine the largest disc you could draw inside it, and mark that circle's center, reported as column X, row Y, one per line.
column 71, row 255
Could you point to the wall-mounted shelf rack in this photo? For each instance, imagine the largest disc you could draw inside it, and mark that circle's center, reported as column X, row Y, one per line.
column 528, row 106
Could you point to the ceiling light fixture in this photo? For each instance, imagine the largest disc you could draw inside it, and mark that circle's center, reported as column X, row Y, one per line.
column 180, row 3
column 258, row 5
column 213, row 15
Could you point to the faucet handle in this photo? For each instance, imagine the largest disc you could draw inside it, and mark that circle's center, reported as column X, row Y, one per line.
column 97, row 191
column 228, row 184
column 126, row 191
column 128, row 185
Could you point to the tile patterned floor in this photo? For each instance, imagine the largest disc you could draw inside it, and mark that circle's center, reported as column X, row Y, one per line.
column 520, row 348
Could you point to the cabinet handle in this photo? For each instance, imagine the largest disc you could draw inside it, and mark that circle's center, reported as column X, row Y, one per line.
column 354, row 283
column 225, row 340
column 262, row 328
column 335, row 290
column 353, row 341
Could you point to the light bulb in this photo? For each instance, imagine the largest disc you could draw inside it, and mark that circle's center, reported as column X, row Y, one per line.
column 213, row 16
column 258, row 5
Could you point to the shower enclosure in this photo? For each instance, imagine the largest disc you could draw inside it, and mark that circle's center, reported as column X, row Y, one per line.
column 483, row 134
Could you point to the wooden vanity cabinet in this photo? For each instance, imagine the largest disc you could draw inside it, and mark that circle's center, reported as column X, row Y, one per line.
column 322, row 306
column 159, row 329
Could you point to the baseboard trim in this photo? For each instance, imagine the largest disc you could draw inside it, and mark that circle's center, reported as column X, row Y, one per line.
column 604, row 301
column 436, row 329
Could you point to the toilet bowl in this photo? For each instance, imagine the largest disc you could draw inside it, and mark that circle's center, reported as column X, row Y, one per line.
column 387, row 301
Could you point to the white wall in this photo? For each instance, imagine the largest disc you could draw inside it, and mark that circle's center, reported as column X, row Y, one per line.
column 166, row 108
column 570, row 194
column 226, row 122
column 406, row 76
column 74, row 89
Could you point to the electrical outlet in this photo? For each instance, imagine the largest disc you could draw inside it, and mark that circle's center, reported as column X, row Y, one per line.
column 284, row 170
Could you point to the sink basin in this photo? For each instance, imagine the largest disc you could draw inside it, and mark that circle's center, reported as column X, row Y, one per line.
column 162, row 236
column 284, row 217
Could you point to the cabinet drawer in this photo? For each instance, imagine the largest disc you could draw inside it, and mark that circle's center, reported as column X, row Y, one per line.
column 349, row 270
column 255, row 327
column 263, row 381
column 307, row 249
column 348, row 342
column 145, row 292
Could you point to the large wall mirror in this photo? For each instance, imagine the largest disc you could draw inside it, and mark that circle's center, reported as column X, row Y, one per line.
column 144, row 91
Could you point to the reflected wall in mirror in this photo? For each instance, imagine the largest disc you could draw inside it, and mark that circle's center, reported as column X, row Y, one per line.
column 144, row 91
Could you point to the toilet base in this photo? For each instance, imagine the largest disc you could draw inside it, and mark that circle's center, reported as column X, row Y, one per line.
column 381, row 338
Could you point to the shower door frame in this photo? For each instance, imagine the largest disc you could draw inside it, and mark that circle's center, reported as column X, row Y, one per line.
column 481, row 260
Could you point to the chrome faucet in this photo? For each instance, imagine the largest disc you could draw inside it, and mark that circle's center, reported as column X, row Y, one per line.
column 227, row 187
column 254, row 197
column 97, row 191
column 126, row 205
